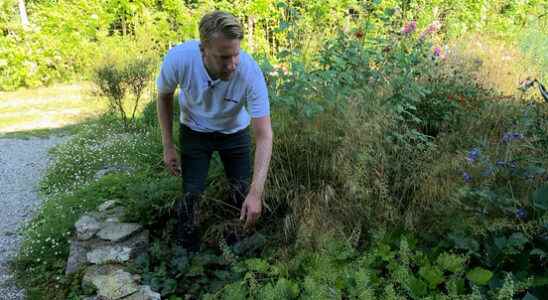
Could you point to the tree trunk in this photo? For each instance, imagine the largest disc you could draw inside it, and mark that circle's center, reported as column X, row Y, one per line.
column 124, row 30
column 250, row 27
column 23, row 14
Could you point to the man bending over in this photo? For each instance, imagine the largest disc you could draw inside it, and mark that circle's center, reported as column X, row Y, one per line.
column 216, row 81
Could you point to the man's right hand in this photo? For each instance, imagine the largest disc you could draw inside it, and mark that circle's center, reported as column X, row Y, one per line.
column 171, row 161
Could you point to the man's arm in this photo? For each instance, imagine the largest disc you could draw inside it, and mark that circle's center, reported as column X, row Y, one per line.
column 165, row 117
column 252, row 207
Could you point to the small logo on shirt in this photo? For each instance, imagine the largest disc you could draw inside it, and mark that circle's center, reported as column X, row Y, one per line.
column 231, row 100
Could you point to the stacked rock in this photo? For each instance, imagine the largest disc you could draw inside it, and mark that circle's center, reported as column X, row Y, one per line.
column 103, row 245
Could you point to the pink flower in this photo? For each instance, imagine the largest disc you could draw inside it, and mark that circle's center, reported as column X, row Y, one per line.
column 432, row 28
column 409, row 27
column 437, row 51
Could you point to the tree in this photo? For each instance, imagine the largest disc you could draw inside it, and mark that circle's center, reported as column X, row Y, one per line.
column 23, row 14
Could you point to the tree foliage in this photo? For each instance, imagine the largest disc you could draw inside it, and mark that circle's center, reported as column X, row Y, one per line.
column 65, row 35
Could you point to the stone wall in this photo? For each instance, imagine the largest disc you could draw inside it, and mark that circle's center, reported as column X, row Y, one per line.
column 102, row 245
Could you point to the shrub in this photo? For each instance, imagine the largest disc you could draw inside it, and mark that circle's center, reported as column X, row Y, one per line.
column 118, row 82
column 149, row 116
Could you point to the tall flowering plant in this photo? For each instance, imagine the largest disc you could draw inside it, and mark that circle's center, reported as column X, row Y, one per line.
column 502, row 202
column 421, row 94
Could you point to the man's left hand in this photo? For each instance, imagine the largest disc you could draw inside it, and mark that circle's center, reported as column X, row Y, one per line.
column 251, row 210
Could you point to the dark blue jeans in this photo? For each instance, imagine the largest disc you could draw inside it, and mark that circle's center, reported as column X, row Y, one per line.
column 196, row 151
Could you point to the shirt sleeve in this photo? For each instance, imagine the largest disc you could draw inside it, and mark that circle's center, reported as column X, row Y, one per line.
column 257, row 93
column 169, row 74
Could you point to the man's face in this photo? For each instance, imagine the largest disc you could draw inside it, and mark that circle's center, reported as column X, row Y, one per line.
column 221, row 56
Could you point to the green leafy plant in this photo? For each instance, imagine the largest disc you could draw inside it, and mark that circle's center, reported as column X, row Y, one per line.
column 117, row 82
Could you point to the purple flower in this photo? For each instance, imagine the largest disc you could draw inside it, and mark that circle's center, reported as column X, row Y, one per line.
column 473, row 155
column 511, row 136
column 409, row 27
column 467, row 177
column 437, row 51
column 521, row 214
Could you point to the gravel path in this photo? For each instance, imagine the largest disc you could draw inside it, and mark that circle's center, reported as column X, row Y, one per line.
column 22, row 164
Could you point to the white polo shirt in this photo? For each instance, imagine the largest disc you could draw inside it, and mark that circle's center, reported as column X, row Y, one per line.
column 213, row 105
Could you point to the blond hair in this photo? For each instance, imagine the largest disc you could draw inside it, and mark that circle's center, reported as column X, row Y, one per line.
column 217, row 22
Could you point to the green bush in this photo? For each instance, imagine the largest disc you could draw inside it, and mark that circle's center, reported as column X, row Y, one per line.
column 368, row 112
column 66, row 36
column 149, row 115
column 152, row 201
column 119, row 82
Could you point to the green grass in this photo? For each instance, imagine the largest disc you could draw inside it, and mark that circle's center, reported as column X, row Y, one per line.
column 46, row 132
column 46, row 110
